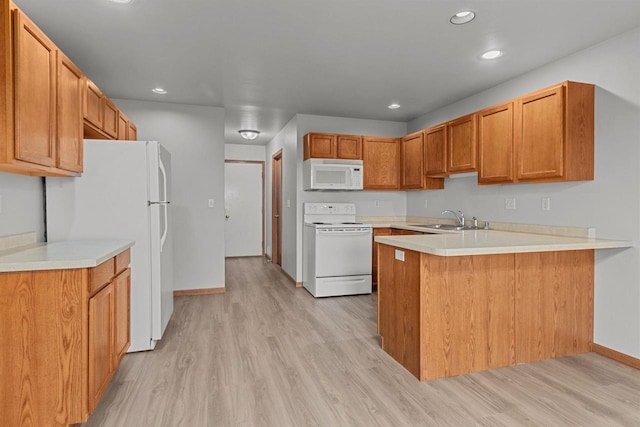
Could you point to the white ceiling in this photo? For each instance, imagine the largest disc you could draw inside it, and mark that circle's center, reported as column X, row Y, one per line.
column 266, row 60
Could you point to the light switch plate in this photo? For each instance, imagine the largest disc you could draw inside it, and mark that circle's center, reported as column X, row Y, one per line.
column 212, row 203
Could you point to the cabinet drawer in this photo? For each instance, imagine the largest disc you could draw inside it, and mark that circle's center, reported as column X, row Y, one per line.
column 123, row 260
column 101, row 275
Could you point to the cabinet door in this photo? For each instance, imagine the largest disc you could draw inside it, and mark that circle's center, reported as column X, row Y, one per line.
column 132, row 132
column 349, row 147
column 320, row 146
column 101, row 312
column 381, row 160
column 110, row 118
column 35, row 93
column 93, row 104
column 122, row 289
column 462, row 144
column 123, row 126
column 412, row 155
column 540, row 135
column 495, row 145
column 69, row 132
column 374, row 264
column 435, row 151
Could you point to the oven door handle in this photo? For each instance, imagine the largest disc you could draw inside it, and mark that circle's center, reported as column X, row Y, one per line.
column 343, row 232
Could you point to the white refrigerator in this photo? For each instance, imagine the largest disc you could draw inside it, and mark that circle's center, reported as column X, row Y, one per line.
column 124, row 192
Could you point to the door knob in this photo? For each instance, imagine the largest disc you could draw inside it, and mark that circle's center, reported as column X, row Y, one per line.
column 277, row 216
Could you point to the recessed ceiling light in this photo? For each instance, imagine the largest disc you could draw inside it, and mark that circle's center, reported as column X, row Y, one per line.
column 393, row 106
column 159, row 91
column 462, row 17
column 249, row 134
column 121, row 1
column 492, row 54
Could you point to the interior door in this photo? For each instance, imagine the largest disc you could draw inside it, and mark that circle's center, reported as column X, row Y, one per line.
column 244, row 208
column 276, row 208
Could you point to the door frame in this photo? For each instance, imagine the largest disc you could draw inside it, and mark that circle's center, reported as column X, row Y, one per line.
column 261, row 163
column 276, row 231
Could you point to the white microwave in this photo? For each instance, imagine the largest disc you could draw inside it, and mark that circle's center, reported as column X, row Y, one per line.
column 332, row 174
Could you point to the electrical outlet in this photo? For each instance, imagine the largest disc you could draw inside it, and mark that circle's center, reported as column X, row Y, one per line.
column 376, row 203
column 546, row 203
column 510, row 203
column 288, row 203
column 0, row 203
column 212, row 203
column 425, row 204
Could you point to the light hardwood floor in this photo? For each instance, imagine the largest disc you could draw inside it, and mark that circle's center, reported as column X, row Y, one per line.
column 268, row 354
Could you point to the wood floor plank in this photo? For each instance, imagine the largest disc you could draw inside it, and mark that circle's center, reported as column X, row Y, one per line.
column 267, row 354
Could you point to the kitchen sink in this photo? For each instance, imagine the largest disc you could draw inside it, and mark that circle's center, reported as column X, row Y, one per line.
column 446, row 227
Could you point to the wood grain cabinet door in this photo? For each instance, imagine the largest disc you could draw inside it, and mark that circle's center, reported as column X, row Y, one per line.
column 93, row 104
column 381, row 160
column 461, row 145
column 412, row 157
column 540, row 135
column 349, row 147
column 495, row 144
column 320, row 146
column 123, row 126
column 122, row 289
column 110, row 118
column 69, row 129
column 132, row 132
column 35, row 93
column 435, row 151
column 101, row 312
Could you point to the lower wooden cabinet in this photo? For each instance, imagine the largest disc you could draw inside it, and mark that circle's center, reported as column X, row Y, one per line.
column 63, row 334
column 374, row 263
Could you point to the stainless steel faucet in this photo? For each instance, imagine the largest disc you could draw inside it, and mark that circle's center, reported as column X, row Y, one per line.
column 459, row 216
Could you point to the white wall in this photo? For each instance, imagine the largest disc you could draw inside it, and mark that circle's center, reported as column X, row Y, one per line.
column 285, row 140
column 195, row 137
column 21, row 208
column 611, row 202
column 244, row 152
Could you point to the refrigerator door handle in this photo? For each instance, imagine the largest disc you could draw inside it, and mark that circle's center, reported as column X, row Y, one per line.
column 163, row 239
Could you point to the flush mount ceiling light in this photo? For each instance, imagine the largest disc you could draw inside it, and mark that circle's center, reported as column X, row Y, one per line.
column 393, row 106
column 120, row 1
column 159, row 91
column 249, row 134
column 462, row 17
column 492, row 54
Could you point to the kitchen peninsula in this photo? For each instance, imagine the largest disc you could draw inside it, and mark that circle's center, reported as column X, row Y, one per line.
column 455, row 303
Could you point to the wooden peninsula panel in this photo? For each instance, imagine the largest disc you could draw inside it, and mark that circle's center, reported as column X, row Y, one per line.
column 554, row 304
column 441, row 316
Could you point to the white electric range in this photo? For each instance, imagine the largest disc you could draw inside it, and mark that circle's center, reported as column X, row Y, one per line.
column 337, row 250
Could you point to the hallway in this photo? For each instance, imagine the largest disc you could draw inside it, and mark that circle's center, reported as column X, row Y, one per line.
column 268, row 354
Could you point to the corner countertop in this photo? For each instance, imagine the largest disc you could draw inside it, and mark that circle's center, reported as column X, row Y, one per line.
column 61, row 255
column 486, row 242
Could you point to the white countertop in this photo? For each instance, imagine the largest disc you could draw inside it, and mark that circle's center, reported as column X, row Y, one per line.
column 485, row 242
column 61, row 255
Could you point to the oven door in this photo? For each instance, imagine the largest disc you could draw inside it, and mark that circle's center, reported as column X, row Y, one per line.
column 343, row 252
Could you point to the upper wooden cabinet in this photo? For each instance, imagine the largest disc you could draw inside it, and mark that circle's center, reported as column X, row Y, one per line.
column 332, row 146
column 412, row 176
column 38, row 91
column 132, row 132
column 349, row 147
column 70, row 133
column 495, row 136
column 435, row 151
column 102, row 119
column 411, row 155
column 545, row 136
column 461, row 144
column 381, row 160
column 46, row 103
